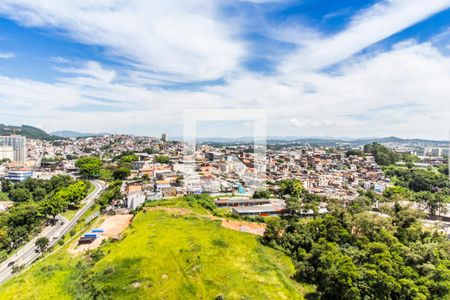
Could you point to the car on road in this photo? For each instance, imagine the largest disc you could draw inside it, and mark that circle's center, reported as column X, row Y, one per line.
column 11, row 263
column 56, row 235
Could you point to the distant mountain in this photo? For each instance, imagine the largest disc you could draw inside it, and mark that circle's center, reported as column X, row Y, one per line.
column 393, row 139
column 326, row 141
column 27, row 131
column 75, row 134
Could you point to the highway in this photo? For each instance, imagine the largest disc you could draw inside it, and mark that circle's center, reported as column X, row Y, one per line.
column 28, row 253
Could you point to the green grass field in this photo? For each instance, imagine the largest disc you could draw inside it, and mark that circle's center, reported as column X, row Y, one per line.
column 164, row 256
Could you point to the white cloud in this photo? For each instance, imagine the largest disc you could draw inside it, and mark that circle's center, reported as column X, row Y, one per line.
column 311, row 123
column 7, row 55
column 90, row 69
column 403, row 91
column 374, row 24
column 182, row 39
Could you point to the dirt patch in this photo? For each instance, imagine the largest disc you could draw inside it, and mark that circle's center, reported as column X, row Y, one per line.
column 113, row 226
column 253, row 228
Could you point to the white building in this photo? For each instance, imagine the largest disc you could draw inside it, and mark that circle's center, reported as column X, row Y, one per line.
column 135, row 199
column 6, row 152
column 18, row 143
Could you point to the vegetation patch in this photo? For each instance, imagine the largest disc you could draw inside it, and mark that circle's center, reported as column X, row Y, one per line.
column 166, row 257
column 361, row 255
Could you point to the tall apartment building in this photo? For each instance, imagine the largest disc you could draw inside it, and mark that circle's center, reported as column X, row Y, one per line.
column 18, row 144
column 6, row 152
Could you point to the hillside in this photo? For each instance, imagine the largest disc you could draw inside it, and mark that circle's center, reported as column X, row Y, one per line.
column 331, row 142
column 164, row 255
column 75, row 134
column 27, row 131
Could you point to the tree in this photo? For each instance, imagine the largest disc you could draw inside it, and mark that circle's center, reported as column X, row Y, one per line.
column 121, row 173
column 112, row 192
column 42, row 244
column 293, row 206
column 443, row 169
column 262, row 195
column 441, row 200
column 162, row 159
column 355, row 152
column 89, row 167
column 425, row 199
column 20, row 195
column 6, row 185
column 150, row 151
column 39, row 194
column 106, row 175
column 74, row 193
column 395, row 192
column 54, row 206
column 291, row 187
column 58, row 182
column 410, row 158
column 360, row 204
column 129, row 158
column 25, row 215
column 383, row 155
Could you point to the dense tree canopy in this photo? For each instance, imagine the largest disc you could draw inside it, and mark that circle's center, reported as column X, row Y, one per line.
column 71, row 195
column 121, row 173
column 383, row 155
column 444, row 169
column 111, row 193
column 355, row 152
column 35, row 200
column 89, row 167
column 291, row 187
column 20, row 195
column 418, row 180
column 366, row 256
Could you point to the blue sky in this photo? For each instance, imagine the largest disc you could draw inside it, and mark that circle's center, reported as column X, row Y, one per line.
column 319, row 68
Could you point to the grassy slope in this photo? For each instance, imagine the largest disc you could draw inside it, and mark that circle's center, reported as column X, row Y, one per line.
column 164, row 256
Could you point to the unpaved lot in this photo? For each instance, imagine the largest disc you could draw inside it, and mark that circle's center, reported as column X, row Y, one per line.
column 113, row 226
column 254, row 228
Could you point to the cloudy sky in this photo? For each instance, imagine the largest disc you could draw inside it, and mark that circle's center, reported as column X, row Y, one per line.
column 348, row 68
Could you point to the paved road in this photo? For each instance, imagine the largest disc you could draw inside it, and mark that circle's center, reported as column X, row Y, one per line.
column 27, row 254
